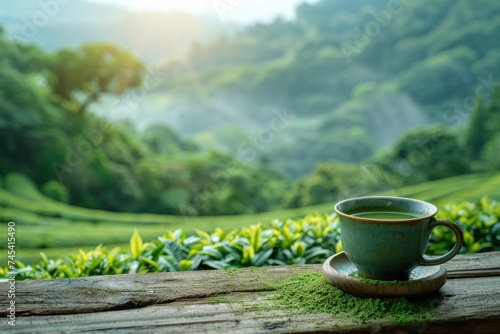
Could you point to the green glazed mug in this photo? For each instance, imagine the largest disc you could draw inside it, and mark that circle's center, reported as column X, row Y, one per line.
column 386, row 237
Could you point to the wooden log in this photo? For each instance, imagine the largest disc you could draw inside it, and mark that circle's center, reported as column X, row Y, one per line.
column 235, row 302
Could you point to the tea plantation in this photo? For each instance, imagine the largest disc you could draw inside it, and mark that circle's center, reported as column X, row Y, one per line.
column 283, row 237
column 308, row 240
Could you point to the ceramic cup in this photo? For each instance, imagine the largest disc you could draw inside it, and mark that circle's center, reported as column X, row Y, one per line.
column 388, row 249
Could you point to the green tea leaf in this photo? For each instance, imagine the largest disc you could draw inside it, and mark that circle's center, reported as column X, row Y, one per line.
column 203, row 234
column 185, row 265
column 136, row 245
column 150, row 262
column 217, row 264
column 338, row 247
column 261, row 258
column 299, row 249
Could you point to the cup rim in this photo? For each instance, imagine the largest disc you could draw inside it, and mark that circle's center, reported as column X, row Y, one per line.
column 368, row 220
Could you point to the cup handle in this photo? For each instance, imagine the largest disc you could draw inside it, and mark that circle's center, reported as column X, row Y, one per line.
column 430, row 261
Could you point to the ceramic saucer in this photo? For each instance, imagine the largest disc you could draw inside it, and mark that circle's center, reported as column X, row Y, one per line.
column 342, row 273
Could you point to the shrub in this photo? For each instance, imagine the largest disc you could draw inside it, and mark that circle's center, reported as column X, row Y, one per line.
column 479, row 222
column 56, row 191
column 304, row 241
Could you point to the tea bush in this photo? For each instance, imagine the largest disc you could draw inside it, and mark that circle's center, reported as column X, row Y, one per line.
column 480, row 226
column 308, row 240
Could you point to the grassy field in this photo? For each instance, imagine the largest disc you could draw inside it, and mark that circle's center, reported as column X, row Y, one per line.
column 56, row 228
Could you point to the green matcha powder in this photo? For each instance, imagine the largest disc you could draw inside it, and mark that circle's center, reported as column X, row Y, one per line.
column 310, row 293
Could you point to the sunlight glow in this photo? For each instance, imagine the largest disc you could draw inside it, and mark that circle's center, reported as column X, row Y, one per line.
column 243, row 11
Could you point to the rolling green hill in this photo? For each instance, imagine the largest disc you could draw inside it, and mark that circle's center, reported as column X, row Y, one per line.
column 56, row 228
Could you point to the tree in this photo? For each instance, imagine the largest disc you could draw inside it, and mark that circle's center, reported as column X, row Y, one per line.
column 484, row 124
column 476, row 134
column 83, row 75
column 430, row 153
column 29, row 140
column 489, row 154
column 444, row 75
column 161, row 139
column 335, row 180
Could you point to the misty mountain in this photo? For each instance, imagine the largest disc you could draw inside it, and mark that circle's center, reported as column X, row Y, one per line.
column 355, row 75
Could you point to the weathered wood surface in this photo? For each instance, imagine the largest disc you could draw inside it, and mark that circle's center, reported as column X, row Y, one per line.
column 235, row 302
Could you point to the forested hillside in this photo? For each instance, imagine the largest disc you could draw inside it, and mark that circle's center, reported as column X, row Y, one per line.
column 354, row 75
column 285, row 114
column 48, row 133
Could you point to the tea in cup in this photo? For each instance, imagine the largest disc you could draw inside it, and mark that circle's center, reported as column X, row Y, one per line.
column 386, row 237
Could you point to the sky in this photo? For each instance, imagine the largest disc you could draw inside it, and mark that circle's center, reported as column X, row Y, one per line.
column 241, row 11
